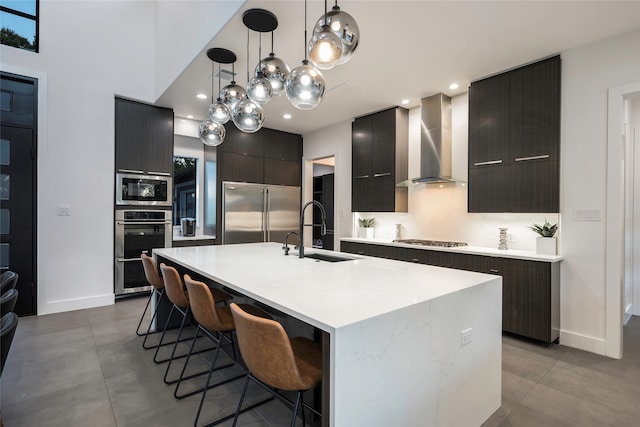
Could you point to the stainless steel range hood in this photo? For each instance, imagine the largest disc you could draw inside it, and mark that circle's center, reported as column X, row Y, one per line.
column 435, row 141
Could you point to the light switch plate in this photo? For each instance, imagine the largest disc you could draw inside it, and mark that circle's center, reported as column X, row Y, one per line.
column 587, row 214
column 64, row 210
column 465, row 336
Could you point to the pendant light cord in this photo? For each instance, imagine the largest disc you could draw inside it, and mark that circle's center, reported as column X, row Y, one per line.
column 212, row 77
column 272, row 42
column 305, row 30
column 325, row 11
column 219, row 72
column 247, row 55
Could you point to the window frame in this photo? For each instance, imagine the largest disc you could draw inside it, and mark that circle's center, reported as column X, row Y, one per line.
column 35, row 18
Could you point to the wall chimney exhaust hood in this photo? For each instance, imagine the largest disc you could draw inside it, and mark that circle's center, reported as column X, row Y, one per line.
column 435, row 141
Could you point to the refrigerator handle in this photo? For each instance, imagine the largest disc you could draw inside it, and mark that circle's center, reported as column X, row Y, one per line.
column 266, row 235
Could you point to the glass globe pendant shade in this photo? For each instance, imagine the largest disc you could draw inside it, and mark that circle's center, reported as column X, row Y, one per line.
column 305, row 86
column 276, row 71
column 219, row 112
column 211, row 133
column 325, row 48
column 345, row 27
column 259, row 89
column 248, row 116
column 232, row 94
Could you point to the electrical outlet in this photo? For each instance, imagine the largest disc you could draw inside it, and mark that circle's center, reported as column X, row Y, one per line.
column 465, row 336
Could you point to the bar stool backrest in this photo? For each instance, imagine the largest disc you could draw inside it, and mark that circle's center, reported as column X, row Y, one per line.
column 8, row 301
column 8, row 280
column 267, row 352
column 203, row 306
column 151, row 272
column 173, row 286
column 8, row 324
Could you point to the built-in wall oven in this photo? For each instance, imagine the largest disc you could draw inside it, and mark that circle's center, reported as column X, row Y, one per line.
column 138, row 231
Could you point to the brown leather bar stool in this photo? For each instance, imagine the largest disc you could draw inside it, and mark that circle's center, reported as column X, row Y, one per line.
column 216, row 323
column 177, row 294
column 275, row 361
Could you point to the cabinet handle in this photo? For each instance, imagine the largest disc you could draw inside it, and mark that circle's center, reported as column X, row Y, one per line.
column 378, row 175
column 130, row 171
column 415, row 260
column 361, row 177
column 526, row 159
column 490, row 162
column 493, row 270
column 159, row 173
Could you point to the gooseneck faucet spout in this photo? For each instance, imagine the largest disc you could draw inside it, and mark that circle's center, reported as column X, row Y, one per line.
column 285, row 247
column 323, row 225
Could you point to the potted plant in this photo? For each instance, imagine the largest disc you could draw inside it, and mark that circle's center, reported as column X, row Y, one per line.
column 546, row 244
column 366, row 227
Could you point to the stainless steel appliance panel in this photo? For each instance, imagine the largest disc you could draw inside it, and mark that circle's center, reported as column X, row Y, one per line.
column 243, row 213
column 283, row 212
column 258, row 213
column 138, row 231
column 144, row 190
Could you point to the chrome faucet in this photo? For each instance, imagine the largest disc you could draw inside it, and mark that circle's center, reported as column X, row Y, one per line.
column 285, row 247
column 323, row 226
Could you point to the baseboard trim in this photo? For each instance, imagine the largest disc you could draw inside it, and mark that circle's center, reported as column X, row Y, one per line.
column 583, row 342
column 61, row 306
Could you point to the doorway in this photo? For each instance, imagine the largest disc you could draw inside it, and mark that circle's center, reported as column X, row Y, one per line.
column 18, row 130
column 324, row 192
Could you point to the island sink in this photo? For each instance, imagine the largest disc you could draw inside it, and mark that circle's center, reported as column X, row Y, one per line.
column 329, row 258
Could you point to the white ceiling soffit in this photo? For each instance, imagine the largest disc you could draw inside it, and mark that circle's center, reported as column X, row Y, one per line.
column 408, row 49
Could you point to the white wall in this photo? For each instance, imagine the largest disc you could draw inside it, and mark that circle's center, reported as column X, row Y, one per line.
column 587, row 73
column 90, row 51
column 332, row 141
column 183, row 28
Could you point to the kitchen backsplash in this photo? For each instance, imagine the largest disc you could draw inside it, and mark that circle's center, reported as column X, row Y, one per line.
column 440, row 213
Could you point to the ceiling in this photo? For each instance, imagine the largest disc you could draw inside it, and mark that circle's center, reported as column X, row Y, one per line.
column 408, row 50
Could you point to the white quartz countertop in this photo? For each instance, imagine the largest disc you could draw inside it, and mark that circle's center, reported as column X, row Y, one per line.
column 475, row 250
column 324, row 294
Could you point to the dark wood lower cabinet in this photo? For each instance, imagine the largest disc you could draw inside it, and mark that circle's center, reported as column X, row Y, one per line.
column 530, row 289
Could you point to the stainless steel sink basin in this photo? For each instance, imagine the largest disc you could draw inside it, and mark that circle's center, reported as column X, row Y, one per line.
column 328, row 258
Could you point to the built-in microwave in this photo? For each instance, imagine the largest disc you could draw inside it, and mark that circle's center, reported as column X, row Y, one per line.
column 145, row 190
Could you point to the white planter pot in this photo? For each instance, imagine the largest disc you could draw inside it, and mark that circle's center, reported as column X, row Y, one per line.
column 365, row 233
column 546, row 245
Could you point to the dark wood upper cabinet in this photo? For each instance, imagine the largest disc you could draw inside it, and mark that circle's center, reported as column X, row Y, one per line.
column 143, row 137
column 514, row 140
column 379, row 161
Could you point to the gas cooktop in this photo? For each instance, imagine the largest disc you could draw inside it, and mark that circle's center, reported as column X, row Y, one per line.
column 431, row 243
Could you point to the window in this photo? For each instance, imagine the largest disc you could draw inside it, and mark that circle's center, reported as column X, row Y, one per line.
column 184, row 188
column 19, row 20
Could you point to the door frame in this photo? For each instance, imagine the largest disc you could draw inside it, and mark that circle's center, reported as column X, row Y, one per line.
column 40, row 282
column 614, row 255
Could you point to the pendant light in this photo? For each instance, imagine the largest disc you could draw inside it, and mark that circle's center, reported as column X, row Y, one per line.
column 325, row 47
column 259, row 88
column 232, row 93
column 218, row 111
column 211, row 131
column 247, row 115
column 345, row 27
column 275, row 70
column 305, row 86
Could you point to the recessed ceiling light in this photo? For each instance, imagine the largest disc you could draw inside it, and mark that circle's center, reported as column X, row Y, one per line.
column 190, row 116
column 404, row 101
column 453, row 86
column 201, row 96
column 286, row 116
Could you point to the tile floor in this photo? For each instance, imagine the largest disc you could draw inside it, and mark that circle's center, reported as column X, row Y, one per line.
column 87, row 368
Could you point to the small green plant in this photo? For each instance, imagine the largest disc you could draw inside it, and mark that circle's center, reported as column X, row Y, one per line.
column 546, row 230
column 366, row 222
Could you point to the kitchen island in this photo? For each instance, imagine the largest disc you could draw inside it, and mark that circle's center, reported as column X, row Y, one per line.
column 409, row 345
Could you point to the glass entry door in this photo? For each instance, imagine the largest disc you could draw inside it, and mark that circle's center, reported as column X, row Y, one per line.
column 17, row 186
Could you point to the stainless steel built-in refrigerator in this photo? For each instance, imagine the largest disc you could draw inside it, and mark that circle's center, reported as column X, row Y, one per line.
column 258, row 213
